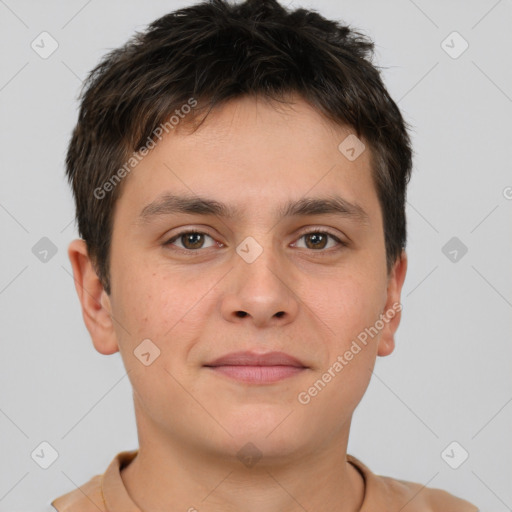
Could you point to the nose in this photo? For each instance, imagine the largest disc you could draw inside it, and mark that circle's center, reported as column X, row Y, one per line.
column 260, row 292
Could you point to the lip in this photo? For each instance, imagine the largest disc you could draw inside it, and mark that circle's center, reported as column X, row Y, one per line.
column 251, row 367
column 254, row 359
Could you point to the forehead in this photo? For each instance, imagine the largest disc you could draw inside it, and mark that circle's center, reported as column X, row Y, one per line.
column 250, row 153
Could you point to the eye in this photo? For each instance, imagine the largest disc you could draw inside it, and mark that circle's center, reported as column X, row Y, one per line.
column 190, row 240
column 318, row 239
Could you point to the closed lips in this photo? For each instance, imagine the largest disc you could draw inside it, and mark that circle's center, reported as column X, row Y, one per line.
column 254, row 359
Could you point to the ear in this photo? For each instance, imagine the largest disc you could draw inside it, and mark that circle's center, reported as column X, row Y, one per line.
column 96, row 307
column 392, row 309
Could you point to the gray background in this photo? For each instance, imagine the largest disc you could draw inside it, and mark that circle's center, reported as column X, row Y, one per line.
column 449, row 378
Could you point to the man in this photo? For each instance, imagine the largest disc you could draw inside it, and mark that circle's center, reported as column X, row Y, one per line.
column 240, row 175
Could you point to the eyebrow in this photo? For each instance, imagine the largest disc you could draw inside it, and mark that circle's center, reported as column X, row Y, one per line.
column 169, row 204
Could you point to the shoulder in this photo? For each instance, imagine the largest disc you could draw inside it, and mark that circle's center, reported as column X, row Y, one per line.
column 386, row 493
column 417, row 497
column 86, row 498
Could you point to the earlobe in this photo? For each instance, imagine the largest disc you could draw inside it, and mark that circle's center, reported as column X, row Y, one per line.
column 95, row 303
column 393, row 309
column 386, row 345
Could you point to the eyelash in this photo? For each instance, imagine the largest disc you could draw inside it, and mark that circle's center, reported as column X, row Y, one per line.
column 312, row 232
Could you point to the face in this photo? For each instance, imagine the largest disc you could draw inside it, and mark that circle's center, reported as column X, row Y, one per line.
column 305, row 281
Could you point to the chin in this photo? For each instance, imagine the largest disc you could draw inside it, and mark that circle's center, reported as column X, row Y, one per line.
column 268, row 433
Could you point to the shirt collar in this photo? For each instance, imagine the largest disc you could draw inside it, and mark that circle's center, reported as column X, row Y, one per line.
column 114, row 492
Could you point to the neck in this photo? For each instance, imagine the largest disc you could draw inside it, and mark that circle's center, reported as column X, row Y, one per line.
column 168, row 474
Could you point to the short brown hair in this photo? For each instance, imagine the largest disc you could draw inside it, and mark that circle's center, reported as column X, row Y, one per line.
column 213, row 52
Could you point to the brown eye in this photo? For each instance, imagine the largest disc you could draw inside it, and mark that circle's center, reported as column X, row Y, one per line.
column 190, row 240
column 318, row 240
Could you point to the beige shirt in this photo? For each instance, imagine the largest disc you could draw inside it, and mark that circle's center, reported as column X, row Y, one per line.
column 107, row 493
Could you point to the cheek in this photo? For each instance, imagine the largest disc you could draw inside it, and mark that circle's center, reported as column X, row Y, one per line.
column 347, row 304
column 138, row 308
column 348, row 308
column 164, row 308
column 147, row 307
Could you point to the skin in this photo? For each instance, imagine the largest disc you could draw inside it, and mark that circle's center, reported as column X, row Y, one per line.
column 191, row 421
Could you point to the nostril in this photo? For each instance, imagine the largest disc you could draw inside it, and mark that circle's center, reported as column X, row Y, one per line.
column 241, row 314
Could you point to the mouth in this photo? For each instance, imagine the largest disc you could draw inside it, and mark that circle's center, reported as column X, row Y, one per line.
column 256, row 368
